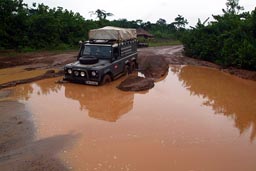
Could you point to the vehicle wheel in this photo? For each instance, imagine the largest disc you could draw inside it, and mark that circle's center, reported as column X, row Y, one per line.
column 136, row 65
column 132, row 67
column 106, row 79
column 126, row 70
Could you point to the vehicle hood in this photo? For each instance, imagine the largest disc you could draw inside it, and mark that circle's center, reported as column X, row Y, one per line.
column 100, row 64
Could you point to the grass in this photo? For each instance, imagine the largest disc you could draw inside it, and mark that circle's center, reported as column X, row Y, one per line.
column 25, row 52
column 155, row 43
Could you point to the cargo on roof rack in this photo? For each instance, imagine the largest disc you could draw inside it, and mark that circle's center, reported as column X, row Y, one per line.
column 109, row 53
column 112, row 33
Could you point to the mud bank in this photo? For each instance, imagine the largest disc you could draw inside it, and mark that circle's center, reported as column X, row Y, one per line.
column 136, row 83
column 47, row 74
column 48, row 59
column 19, row 150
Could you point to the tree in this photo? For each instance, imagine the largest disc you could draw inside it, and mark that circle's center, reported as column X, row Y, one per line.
column 101, row 14
column 161, row 21
column 230, row 40
column 41, row 27
column 13, row 27
column 180, row 22
column 233, row 7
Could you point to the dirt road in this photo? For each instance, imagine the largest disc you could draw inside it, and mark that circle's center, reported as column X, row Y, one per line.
column 18, row 146
column 153, row 62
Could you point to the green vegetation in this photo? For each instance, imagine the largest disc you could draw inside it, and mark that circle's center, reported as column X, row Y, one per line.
column 230, row 40
column 39, row 27
column 163, row 42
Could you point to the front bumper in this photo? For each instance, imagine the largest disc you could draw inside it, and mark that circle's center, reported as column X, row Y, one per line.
column 80, row 80
column 84, row 78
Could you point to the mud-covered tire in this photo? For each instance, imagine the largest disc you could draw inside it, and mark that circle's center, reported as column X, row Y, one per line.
column 126, row 70
column 84, row 60
column 106, row 79
column 136, row 65
column 132, row 67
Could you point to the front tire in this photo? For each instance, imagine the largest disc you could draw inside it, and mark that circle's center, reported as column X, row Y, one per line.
column 126, row 70
column 106, row 79
column 132, row 67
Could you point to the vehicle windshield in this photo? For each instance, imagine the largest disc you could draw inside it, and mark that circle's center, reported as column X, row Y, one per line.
column 97, row 51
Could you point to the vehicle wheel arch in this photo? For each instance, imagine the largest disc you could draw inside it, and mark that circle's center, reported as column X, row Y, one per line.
column 107, row 78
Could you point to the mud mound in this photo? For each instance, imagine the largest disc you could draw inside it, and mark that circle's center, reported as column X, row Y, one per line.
column 153, row 66
column 136, row 83
column 47, row 74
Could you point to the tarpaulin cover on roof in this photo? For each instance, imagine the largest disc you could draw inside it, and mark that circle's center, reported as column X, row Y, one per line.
column 112, row 33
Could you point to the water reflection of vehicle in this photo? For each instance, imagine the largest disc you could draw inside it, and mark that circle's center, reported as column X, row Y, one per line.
column 105, row 103
column 228, row 95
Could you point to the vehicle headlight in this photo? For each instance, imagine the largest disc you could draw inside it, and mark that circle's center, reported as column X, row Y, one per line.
column 70, row 71
column 94, row 73
column 82, row 73
column 76, row 73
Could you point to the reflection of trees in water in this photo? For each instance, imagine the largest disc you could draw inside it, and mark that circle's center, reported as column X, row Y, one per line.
column 175, row 69
column 23, row 92
column 104, row 102
column 226, row 95
column 44, row 87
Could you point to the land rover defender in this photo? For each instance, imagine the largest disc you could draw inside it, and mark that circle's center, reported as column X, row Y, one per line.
column 110, row 53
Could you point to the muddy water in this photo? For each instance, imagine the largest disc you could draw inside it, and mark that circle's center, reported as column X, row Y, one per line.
column 194, row 119
column 18, row 73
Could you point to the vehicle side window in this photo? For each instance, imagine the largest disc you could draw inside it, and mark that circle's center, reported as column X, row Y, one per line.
column 115, row 52
column 87, row 50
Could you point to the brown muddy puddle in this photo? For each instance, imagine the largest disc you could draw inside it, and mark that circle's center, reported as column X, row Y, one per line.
column 18, row 73
column 196, row 119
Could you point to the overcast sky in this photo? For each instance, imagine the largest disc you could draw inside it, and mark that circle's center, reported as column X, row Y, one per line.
column 148, row 10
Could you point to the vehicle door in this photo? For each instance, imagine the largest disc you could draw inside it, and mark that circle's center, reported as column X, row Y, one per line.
column 117, row 65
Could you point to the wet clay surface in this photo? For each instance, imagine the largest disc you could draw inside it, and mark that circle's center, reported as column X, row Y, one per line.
column 136, row 83
column 37, row 59
column 193, row 119
column 18, row 149
column 153, row 63
column 18, row 73
column 174, row 55
column 30, row 67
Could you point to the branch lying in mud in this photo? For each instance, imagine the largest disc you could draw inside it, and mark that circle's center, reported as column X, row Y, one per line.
column 47, row 74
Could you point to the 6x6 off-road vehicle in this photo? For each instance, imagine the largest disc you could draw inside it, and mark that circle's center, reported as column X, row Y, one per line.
column 110, row 53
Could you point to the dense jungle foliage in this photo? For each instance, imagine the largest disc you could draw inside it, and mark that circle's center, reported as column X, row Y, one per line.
column 40, row 27
column 230, row 40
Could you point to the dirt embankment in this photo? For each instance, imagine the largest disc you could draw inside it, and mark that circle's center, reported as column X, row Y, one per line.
column 50, row 62
column 37, row 60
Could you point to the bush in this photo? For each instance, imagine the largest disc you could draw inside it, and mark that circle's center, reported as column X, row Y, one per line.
column 228, row 41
